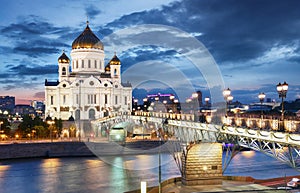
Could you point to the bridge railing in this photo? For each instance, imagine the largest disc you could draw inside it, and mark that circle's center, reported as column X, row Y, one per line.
column 175, row 116
column 275, row 124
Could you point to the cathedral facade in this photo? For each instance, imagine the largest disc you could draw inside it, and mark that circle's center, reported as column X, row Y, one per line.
column 86, row 88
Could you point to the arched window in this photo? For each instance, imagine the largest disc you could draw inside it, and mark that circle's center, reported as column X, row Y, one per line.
column 115, row 72
column 76, row 63
column 51, row 100
column 64, row 71
column 91, row 114
column 95, row 64
column 82, row 63
column 89, row 63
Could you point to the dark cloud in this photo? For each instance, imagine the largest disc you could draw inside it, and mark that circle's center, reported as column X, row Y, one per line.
column 92, row 11
column 145, row 53
column 34, row 37
column 35, row 51
column 35, row 70
column 232, row 31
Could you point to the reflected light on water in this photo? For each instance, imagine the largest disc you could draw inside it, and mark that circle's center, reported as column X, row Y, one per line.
column 93, row 163
column 248, row 154
column 50, row 170
column 51, row 165
column 4, row 167
column 3, row 170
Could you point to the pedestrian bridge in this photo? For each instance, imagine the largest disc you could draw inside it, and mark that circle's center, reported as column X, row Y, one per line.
column 284, row 146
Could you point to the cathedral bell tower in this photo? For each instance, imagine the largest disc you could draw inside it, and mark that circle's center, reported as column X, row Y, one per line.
column 63, row 67
column 115, row 68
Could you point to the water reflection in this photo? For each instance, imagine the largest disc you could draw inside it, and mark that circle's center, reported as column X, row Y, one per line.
column 248, row 154
column 123, row 174
column 139, row 162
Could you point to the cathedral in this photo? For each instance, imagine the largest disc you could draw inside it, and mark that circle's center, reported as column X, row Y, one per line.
column 86, row 88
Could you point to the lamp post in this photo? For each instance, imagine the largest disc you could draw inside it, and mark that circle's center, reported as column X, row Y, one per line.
column 1, row 122
column 282, row 90
column 206, row 101
column 145, row 100
column 195, row 106
column 50, row 122
column 176, row 101
column 229, row 99
column 226, row 94
column 165, row 105
column 261, row 97
column 156, row 103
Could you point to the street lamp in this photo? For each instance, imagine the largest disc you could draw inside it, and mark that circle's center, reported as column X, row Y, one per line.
column 282, row 90
column 165, row 102
column 227, row 97
column 50, row 122
column 261, row 97
column 206, row 101
column 172, row 97
column 1, row 122
column 195, row 106
column 145, row 100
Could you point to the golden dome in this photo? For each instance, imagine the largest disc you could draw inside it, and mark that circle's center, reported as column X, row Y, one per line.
column 63, row 58
column 87, row 39
column 107, row 68
column 115, row 60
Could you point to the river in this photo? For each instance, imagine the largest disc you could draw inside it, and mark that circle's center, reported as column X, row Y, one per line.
column 118, row 173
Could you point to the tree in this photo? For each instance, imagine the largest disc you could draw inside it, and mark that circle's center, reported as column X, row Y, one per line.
column 41, row 131
column 5, row 126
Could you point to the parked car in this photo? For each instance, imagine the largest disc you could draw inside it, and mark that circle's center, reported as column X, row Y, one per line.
column 294, row 183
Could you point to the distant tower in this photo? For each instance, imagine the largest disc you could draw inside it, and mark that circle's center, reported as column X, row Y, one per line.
column 115, row 68
column 63, row 67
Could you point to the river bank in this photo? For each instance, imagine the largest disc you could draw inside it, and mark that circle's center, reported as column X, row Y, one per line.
column 76, row 149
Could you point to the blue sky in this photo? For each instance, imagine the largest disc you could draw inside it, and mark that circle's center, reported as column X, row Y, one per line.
column 251, row 44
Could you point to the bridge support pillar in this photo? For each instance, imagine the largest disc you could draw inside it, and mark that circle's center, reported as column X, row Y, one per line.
column 202, row 164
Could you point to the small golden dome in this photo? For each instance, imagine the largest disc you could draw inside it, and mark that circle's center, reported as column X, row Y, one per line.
column 63, row 58
column 107, row 68
column 87, row 39
column 115, row 60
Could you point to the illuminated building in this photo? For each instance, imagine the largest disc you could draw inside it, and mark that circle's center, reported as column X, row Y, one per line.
column 90, row 90
column 7, row 103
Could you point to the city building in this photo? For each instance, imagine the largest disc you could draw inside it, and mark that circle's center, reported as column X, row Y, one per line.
column 7, row 103
column 86, row 88
column 158, row 103
column 39, row 107
column 24, row 110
